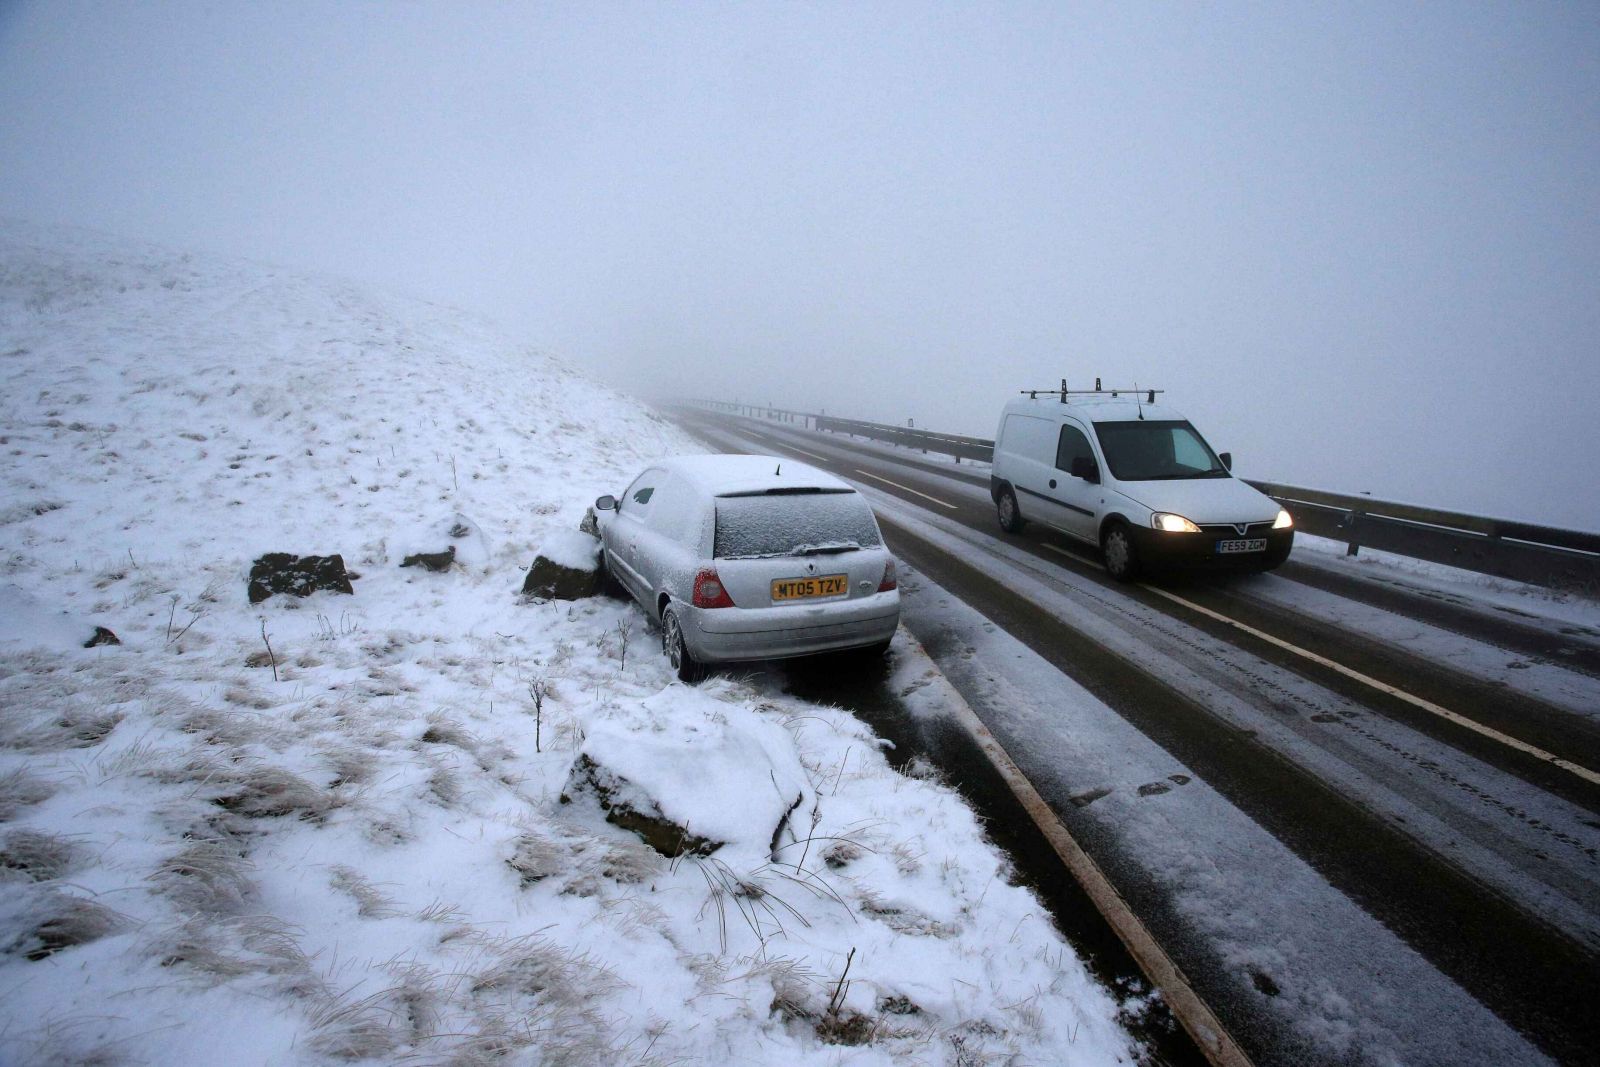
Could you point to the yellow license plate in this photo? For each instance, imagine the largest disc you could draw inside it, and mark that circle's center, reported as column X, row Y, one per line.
column 810, row 588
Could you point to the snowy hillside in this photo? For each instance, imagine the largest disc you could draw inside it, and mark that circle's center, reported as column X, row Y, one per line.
column 351, row 845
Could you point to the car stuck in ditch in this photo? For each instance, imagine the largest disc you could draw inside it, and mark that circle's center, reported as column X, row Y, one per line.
column 750, row 558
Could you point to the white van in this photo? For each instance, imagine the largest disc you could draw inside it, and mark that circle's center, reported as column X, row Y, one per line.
column 1117, row 470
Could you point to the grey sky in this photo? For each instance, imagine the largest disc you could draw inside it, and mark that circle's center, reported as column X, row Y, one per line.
column 1359, row 244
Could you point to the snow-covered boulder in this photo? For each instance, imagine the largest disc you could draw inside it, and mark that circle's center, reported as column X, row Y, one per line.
column 691, row 773
column 567, row 567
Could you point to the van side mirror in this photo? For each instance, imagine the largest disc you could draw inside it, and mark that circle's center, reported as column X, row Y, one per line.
column 606, row 503
column 1085, row 467
column 1227, row 461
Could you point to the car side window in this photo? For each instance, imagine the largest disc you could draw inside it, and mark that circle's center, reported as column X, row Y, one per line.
column 636, row 499
column 671, row 508
column 1072, row 445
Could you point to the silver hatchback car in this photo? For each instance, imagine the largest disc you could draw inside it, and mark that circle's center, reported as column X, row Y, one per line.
column 750, row 557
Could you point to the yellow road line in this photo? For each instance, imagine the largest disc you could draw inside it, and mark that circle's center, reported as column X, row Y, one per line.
column 907, row 488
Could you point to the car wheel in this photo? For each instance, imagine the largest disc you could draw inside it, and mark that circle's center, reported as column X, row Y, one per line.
column 1116, row 544
column 684, row 665
column 1011, row 520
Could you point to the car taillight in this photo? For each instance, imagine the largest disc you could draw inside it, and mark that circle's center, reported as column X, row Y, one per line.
column 708, row 591
column 890, row 579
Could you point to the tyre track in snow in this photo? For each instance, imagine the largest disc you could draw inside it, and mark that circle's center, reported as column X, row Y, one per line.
column 1431, row 893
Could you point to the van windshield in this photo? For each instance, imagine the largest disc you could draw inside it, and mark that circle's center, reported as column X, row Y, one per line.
column 752, row 527
column 1152, row 451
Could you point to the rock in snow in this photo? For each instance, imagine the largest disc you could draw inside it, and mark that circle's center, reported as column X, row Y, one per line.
column 283, row 572
column 567, row 567
column 433, row 561
column 667, row 767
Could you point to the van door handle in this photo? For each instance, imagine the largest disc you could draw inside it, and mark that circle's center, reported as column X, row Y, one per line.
column 1052, row 483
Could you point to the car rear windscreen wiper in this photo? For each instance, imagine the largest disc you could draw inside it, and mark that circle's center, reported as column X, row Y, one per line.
column 828, row 549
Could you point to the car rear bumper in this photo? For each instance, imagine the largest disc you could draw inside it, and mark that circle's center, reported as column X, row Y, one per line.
column 720, row 635
column 1198, row 552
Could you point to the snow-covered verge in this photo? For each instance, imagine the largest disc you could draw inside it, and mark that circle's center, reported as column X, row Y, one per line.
column 1531, row 602
column 331, row 829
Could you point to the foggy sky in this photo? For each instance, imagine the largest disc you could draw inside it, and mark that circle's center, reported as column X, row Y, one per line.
column 1358, row 244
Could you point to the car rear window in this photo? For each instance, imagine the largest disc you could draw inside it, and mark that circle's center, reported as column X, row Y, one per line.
column 790, row 523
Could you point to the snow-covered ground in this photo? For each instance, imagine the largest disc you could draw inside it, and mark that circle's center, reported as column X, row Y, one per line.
column 332, row 829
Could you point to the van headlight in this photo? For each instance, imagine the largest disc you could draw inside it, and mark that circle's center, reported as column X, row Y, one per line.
column 1161, row 520
column 1284, row 520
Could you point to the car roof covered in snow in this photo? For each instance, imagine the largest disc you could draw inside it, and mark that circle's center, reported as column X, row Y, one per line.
column 1125, row 407
column 725, row 475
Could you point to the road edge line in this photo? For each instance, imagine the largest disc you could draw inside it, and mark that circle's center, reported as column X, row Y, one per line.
column 1197, row 1019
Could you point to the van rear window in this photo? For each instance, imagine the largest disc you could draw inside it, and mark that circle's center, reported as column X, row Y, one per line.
column 793, row 523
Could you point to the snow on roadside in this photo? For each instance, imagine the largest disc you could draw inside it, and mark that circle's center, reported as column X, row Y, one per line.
column 1530, row 603
column 332, row 830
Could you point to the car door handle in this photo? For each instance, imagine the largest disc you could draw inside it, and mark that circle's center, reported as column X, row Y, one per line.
column 1052, row 483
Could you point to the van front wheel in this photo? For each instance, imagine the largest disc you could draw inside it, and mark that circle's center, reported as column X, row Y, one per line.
column 1011, row 520
column 1116, row 545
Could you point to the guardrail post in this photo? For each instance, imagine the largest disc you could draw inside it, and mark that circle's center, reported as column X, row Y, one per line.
column 1353, row 536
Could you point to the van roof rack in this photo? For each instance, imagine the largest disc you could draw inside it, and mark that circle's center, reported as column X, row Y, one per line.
column 1064, row 392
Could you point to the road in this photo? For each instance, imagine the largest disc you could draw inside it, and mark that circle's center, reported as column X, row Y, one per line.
column 1359, row 813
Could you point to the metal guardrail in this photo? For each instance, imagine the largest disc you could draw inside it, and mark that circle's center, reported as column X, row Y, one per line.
column 1550, row 556
column 975, row 448
column 1525, row 552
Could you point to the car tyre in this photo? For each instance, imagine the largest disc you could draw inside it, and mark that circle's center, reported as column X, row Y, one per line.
column 688, row 669
column 1006, row 510
column 1116, row 546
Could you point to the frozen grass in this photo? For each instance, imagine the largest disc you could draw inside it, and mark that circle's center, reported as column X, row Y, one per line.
column 28, row 855
column 19, row 789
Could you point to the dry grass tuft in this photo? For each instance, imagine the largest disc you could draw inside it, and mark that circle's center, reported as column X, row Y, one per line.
column 234, row 947
column 350, row 1028
column 370, row 903
column 268, row 792
column 539, row 992
column 352, row 766
column 443, row 731
column 535, row 857
column 631, row 862
column 28, row 855
column 67, row 729
column 228, row 727
column 39, row 923
column 19, row 790
column 210, row 877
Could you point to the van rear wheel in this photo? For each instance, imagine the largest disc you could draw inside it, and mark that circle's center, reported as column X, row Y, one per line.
column 1116, row 545
column 1010, row 516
